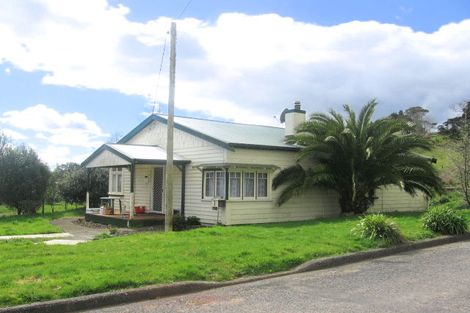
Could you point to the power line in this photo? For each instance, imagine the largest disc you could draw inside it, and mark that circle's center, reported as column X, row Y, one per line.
column 163, row 58
column 160, row 74
column 184, row 9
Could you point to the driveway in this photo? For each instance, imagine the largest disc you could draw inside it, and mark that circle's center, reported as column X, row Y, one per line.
column 430, row 280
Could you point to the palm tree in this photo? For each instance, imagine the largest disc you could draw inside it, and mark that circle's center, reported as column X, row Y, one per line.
column 356, row 156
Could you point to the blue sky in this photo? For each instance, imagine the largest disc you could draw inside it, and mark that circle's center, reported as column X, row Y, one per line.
column 87, row 71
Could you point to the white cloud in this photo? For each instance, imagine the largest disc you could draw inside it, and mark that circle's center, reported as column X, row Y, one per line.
column 54, row 155
column 67, row 129
column 13, row 134
column 242, row 67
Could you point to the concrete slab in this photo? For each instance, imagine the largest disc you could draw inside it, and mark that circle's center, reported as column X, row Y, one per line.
column 37, row 236
column 67, row 242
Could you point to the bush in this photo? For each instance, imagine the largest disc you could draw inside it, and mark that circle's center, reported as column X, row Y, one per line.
column 193, row 221
column 102, row 236
column 444, row 220
column 378, row 227
column 181, row 223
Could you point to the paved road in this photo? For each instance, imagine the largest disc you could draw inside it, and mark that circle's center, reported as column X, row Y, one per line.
column 431, row 280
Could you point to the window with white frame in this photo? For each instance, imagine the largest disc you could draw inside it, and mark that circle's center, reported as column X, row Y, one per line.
column 249, row 185
column 261, row 185
column 116, row 180
column 214, row 184
column 235, row 185
column 241, row 185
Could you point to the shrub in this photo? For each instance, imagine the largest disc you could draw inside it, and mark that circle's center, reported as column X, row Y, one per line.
column 179, row 222
column 444, row 220
column 193, row 221
column 102, row 236
column 113, row 230
column 378, row 227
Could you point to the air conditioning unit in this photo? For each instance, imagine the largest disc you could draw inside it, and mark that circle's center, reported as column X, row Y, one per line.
column 218, row 204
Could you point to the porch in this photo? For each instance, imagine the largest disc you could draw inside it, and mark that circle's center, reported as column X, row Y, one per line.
column 136, row 192
column 123, row 220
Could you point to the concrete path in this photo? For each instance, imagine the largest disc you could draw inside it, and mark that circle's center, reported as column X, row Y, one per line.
column 78, row 232
column 37, row 236
column 430, row 280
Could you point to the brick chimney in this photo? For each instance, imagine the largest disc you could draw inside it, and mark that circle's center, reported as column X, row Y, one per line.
column 292, row 118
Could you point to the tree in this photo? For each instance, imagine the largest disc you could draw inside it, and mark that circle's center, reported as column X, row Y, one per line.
column 73, row 181
column 3, row 143
column 52, row 195
column 461, row 133
column 418, row 117
column 23, row 179
column 355, row 156
column 453, row 126
column 417, row 120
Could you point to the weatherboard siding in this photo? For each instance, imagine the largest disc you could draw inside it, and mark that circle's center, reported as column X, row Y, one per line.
column 315, row 204
column 191, row 148
column 393, row 199
column 107, row 158
column 143, row 186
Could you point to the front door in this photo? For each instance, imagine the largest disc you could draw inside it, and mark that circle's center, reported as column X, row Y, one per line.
column 158, row 189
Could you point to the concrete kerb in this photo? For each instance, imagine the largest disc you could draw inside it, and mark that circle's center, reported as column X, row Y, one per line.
column 153, row 292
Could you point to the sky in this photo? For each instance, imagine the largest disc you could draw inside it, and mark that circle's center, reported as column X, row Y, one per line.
column 77, row 74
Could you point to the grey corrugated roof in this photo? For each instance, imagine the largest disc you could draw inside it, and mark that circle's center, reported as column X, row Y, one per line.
column 236, row 134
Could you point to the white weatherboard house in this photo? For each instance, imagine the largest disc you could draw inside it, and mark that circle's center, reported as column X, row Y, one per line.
column 219, row 160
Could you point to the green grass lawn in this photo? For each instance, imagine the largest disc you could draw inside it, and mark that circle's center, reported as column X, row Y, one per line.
column 33, row 271
column 37, row 224
column 58, row 207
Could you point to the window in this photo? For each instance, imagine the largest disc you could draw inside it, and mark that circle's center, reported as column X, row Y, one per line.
column 209, row 183
column 235, row 183
column 249, row 185
column 220, row 184
column 116, row 179
column 261, row 185
column 214, row 184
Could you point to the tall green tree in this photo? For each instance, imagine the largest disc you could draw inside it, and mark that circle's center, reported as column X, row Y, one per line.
column 417, row 120
column 73, row 181
column 23, row 179
column 356, row 156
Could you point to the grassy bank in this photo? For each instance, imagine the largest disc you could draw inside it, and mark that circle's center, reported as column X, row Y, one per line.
column 33, row 272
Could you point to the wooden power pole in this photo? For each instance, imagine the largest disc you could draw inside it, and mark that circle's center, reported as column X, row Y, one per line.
column 169, row 141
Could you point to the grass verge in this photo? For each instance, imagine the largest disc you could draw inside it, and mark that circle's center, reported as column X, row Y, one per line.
column 35, row 272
